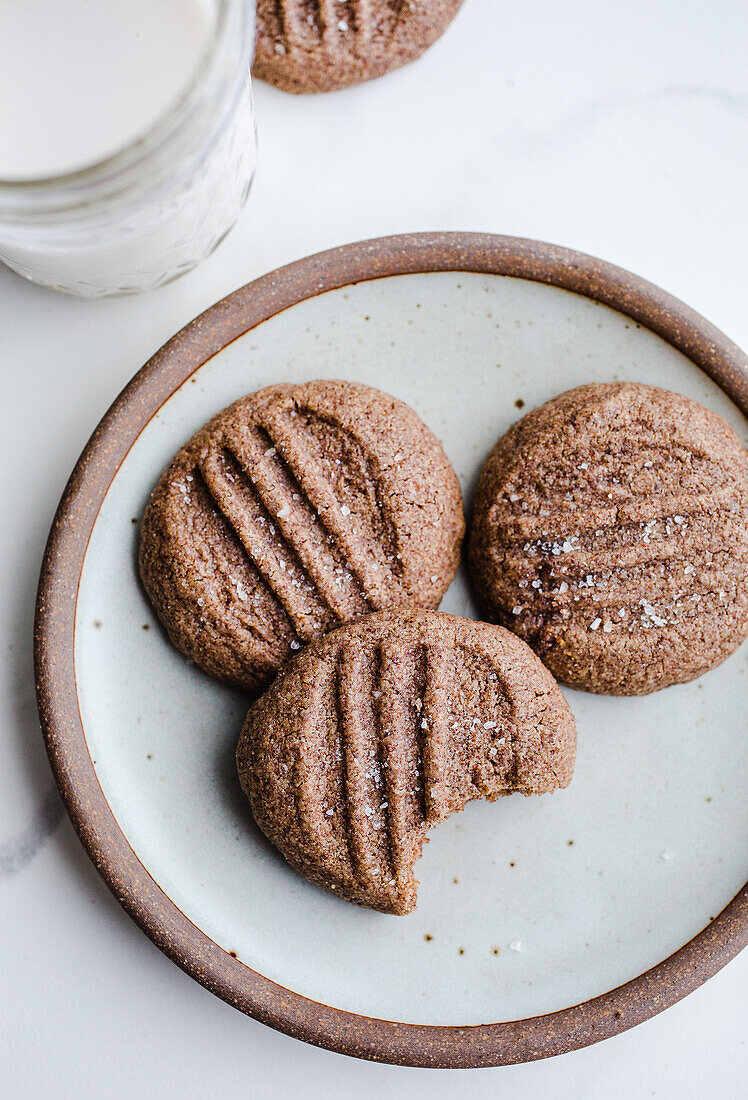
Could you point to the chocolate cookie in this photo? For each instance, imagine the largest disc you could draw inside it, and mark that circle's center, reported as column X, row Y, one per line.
column 610, row 531
column 298, row 508
column 321, row 45
column 386, row 727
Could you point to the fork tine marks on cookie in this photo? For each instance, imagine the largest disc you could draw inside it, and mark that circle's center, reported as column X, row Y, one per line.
column 437, row 706
column 292, row 24
column 285, row 501
column 359, row 735
column 329, row 20
column 220, row 548
column 403, row 773
column 363, row 22
column 374, row 573
column 319, row 791
column 237, row 499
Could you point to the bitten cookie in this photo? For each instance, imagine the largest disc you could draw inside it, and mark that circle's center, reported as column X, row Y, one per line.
column 386, row 727
column 321, row 45
column 297, row 508
column 610, row 531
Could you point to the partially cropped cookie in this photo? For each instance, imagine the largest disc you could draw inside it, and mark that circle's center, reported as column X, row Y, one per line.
column 386, row 727
column 321, row 45
column 610, row 532
column 298, row 508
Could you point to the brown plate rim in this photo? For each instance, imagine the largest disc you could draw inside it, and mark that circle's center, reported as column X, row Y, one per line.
column 54, row 636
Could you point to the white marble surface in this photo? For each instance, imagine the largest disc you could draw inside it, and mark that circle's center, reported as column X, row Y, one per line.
column 618, row 129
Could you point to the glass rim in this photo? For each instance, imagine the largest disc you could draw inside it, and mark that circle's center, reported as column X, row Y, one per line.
column 135, row 150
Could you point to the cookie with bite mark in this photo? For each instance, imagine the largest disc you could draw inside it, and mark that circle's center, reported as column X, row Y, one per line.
column 384, row 728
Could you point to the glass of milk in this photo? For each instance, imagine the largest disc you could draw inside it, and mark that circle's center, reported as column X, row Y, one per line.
column 127, row 137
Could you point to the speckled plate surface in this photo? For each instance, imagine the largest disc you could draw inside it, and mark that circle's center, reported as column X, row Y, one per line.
column 527, row 906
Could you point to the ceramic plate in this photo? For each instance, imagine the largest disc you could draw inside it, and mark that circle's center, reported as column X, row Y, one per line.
column 527, row 906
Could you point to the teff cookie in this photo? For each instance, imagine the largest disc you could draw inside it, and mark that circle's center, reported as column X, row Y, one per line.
column 386, row 727
column 321, row 45
column 296, row 509
column 610, row 531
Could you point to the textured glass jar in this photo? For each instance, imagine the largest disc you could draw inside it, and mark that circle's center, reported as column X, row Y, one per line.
column 152, row 211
